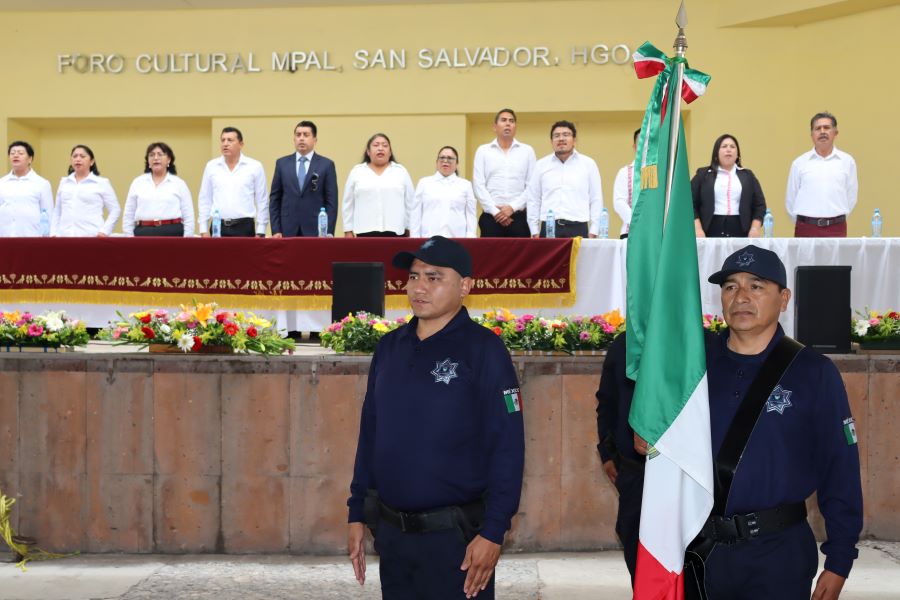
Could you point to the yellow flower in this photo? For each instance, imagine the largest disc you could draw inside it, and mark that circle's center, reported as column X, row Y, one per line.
column 12, row 317
column 138, row 315
column 258, row 321
column 239, row 317
column 614, row 318
column 380, row 327
column 508, row 316
column 490, row 316
column 203, row 312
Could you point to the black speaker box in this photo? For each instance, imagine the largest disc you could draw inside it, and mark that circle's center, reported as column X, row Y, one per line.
column 822, row 308
column 356, row 286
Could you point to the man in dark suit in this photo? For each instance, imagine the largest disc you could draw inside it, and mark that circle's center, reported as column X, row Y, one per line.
column 294, row 206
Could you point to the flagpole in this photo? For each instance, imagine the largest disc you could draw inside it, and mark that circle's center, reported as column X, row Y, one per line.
column 680, row 46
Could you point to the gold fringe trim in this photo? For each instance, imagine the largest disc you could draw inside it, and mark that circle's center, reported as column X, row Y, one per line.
column 649, row 179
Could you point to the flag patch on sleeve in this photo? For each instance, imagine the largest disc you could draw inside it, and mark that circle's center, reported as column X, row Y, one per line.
column 850, row 431
column 513, row 403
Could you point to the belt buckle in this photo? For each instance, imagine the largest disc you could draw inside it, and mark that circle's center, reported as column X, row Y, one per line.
column 746, row 526
column 823, row 222
column 403, row 520
column 157, row 222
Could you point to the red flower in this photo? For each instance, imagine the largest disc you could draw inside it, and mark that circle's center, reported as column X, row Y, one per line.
column 251, row 331
column 197, row 343
column 497, row 330
column 220, row 317
column 148, row 333
column 145, row 319
column 231, row 328
column 893, row 315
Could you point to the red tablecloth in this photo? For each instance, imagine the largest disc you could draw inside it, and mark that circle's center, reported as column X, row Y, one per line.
column 286, row 274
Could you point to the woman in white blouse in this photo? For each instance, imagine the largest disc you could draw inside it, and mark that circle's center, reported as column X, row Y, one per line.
column 159, row 202
column 81, row 198
column 444, row 202
column 378, row 196
column 24, row 195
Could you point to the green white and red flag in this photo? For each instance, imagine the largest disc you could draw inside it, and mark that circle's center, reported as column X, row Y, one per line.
column 667, row 359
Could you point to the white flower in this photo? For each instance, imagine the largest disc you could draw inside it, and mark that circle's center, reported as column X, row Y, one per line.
column 861, row 327
column 165, row 329
column 185, row 343
column 53, row 322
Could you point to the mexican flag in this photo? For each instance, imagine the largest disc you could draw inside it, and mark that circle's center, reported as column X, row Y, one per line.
column 666, row 357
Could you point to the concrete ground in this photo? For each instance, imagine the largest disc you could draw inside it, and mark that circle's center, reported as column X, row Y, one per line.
column 556, row 576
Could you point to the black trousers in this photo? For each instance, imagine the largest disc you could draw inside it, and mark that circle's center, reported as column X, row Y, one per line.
column 379, row 234
column 422, row 566
column 517, row 229
column 566, row 229
column 170, row 230
column 778, row 566
column 722, row 226
column 630, row 484
column 238, row 228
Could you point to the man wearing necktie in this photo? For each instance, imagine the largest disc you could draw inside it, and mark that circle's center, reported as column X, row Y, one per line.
column 304, row 183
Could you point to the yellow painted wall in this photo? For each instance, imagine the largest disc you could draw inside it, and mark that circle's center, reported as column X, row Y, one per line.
column 767, row 82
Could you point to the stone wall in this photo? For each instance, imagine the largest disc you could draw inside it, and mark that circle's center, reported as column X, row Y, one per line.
column 142, row 453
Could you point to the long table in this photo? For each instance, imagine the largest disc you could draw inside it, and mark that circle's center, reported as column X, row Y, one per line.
column 600, row 273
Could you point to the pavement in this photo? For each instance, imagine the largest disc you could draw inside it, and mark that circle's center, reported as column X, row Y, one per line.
column 546, row 576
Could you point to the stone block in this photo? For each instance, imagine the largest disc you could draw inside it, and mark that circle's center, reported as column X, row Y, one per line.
column 187, row 423
column 120, row 433
column 52, row 423
column 52, row 509
column 883, row 498
column 542, row 409
column 9, row 421
column 538, row 525
column 325, row 417
column 255, row 425
column 188, row 514
column 255, row 513
column 318, row 514
column 119, row 513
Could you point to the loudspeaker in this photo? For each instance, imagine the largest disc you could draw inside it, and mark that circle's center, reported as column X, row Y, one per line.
column 822, row 308
column 356, row 286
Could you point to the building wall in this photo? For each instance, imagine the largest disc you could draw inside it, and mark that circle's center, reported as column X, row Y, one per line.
column 773, row 66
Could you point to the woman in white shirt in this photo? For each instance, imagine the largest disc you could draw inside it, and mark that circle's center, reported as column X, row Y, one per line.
column 24, row 196
column 378, row 196
column 444, row 202
column 159, row 202
column 81, row 198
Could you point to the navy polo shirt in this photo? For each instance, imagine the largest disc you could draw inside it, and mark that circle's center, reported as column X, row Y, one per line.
column 802, row 442
column 442, row 424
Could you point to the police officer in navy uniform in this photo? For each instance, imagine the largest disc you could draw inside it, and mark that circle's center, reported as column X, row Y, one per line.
column 440, row 456
column 622, row 465
column 804, row 441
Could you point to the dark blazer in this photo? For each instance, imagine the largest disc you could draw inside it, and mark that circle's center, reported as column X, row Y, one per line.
column 293, row 214
column 752, row 206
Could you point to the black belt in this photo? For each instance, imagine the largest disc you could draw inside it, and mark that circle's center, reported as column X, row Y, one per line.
column 439, row 519
column 740, row 528
column 233, row 222
column 822, row 222
column 567, row 223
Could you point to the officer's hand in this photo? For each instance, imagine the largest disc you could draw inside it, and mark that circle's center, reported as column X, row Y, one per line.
column 356, row 548
column 609, row 467
column 640, row 445
column 828, row 586
column 481, row 558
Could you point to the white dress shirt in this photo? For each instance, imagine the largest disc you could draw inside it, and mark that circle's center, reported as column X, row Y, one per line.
column 21, row 201
column 570, row 189
column 623, row 195
column 238, row 194
column 501, row 177
column 79, row 207
column 443, row 206
column 727, row 192
column 375, row 202
column 146, row 201
column 822, row 187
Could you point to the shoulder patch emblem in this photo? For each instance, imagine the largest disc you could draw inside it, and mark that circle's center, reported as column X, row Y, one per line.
column 444, row 371
column 779, row 400
column 513, row 403
column 850, row 431
column 745, row 259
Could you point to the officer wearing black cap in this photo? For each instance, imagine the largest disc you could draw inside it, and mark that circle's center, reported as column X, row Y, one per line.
column 802, row 440
column 439, row 461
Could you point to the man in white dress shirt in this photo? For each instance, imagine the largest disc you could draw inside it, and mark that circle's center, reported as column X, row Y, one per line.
column 568, row 183
column 501, row 173
column 24, row 195
column 822, row 185
column 623, row 190
column 235, row 185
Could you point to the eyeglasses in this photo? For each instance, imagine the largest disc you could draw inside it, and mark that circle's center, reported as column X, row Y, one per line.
column 447, row 158
column 561, row 134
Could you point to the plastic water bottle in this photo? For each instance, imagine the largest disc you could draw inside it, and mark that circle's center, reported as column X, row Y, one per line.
column 876, row 224
column 604, row 224
column 323, row 222
column 216, row 224
column 768, row 224
column 45, row 223
column 550, row 225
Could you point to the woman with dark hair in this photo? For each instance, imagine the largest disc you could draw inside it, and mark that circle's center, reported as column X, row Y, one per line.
column 378, row 196
column 81, row 198
column 24, row 195
column 728, row 200
column 444, row 203
column 159, row 202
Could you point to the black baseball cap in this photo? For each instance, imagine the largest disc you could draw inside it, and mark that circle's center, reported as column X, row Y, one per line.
column 440, row 252
column 763, row 263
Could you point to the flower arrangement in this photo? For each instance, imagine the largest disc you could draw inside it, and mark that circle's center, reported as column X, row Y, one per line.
column 530, row 332
column 713, row 323
column 873, row 326
column 359, row 333
column 197, row 326
column 52, row 329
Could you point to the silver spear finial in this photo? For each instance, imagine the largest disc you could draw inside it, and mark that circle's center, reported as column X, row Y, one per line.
column 682, row 21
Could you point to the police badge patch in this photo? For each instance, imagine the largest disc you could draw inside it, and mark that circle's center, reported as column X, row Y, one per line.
column 779, row 400
column 444, row 371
